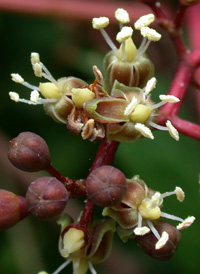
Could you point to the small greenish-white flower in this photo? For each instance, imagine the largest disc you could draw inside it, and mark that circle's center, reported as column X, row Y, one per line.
column 130, row 113
column 55, row 95
column 129, row 64
column 141, row 208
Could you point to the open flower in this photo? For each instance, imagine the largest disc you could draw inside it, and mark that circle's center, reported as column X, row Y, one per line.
column 63, row 99
column 129, row 112
column 141, row 208
column 81, row 252
column 128, row 64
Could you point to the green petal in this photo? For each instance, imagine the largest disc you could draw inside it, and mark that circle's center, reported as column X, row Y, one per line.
column 107, row 110
column 102, row 241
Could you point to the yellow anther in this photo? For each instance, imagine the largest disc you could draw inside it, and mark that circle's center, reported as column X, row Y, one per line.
column 130, row 50
column 151, row 214
column 81, row 96
column 49, row 90
column 140, row 114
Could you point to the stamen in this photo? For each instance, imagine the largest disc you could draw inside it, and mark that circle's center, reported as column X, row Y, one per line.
column 14, row 96
column 48, row 75
column 178, row 192
column 157, row 105
column 186, row 223
column 91, row 267
column 122, row 16
column 140, row 231
column 144, row 41
column 139, row 220
column 169, row 98
column 37, row 68
column 129, row 109
column 152, row 124
column 150, row 34
column 17, row 78
column 144, row 21
column 143, row 48
column 62, row 266
column 26, row 84
column 172, row 130
column 35, row 58
column 145, row 131
column 154, row 201
column 151, row 84
column 124, row 34
column 153, row 229
column 171, row 217
column 108, row 40
column 100, row 23
column 35, row 96
column 163, row 240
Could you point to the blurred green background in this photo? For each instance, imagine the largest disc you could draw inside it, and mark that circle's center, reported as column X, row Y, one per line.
column 68, row 48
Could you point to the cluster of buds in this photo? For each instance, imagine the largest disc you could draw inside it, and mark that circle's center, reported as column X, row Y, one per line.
column 119, row 106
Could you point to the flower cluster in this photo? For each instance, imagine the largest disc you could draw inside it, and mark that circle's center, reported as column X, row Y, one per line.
column 141, row 209
column 119, row 106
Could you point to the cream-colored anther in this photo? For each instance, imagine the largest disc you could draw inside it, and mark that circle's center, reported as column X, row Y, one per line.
column 150, row 34
column 144, row 21
column 140, row 114
column 162, row 241
column 122, row 16
column 179, row 194
column 49, row 90
column 151, row 84
column 35, row 96
column 73, row 240
column 35, row 58
column 140, row 231
column 172, row 130
column 169, row 98
column 81, row 96
column 145, row 131
column 37, row 68
column 124, row 34
column 14, row 96
column 100, row 22
column 151, row 214
column 17, row 78
column 186, row 223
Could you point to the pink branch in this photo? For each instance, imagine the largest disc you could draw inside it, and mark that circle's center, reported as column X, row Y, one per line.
column 76, row 10
column 193, row 23
column 187, row 128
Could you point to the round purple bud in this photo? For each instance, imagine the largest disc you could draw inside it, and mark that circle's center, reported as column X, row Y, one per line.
column 46, row 198
column 106, row 186
column 29, row 152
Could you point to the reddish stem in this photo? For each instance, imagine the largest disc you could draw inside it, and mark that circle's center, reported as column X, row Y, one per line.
column 104, row 156
column 179, row 16
column 193, row 23
column 187, row 128
column 178, row 88
column 75, row 187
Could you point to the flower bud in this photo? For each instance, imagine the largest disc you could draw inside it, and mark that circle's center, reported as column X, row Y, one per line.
column 29, row 152
column 46, row 198
column 148, row 241
column 13, row 208
column 133, row 74
column 106, row 186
